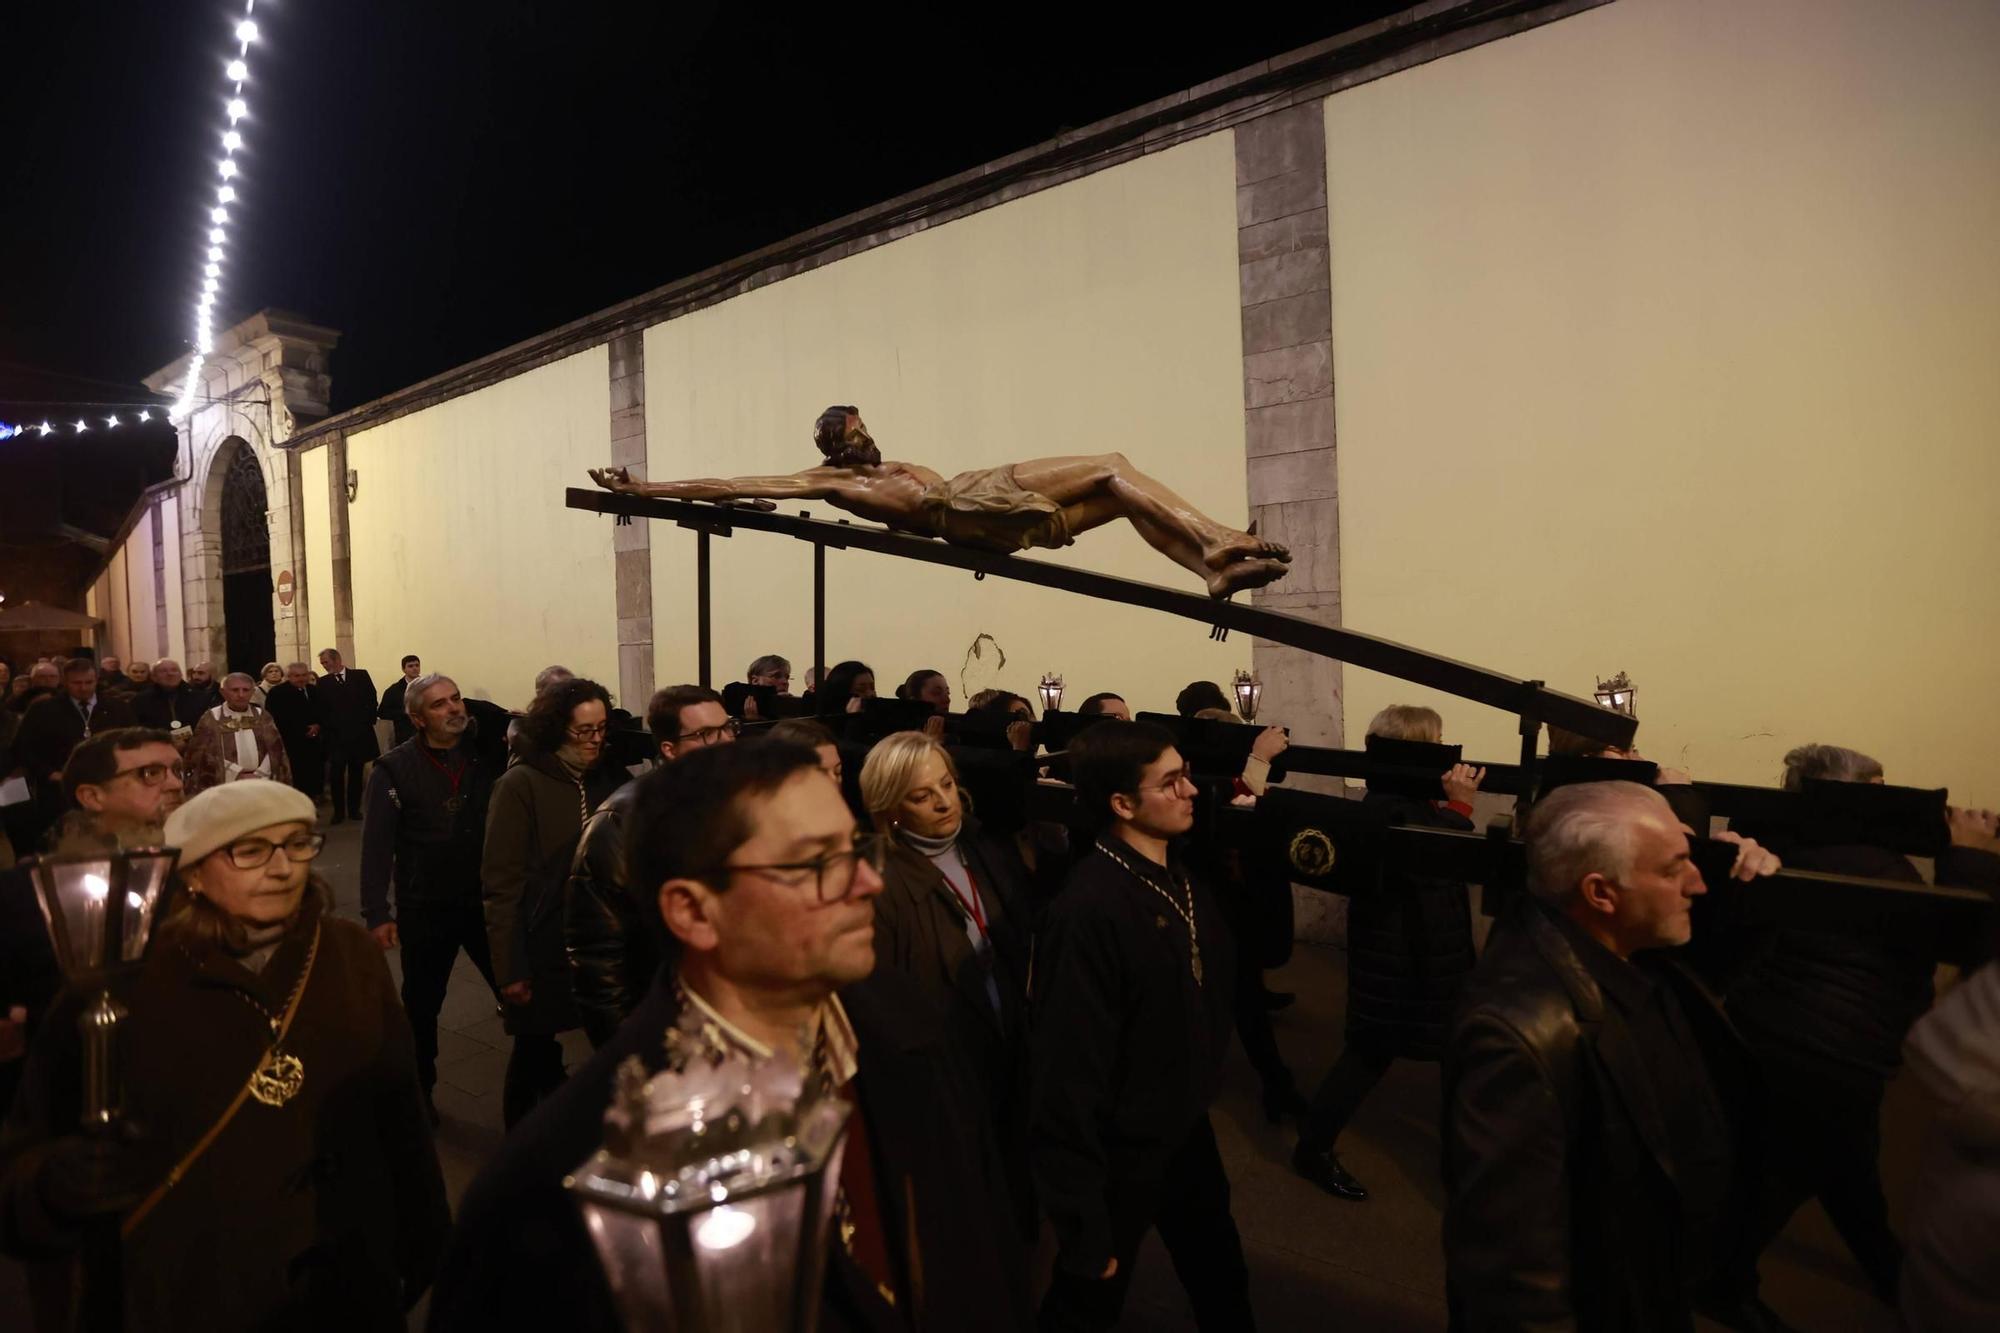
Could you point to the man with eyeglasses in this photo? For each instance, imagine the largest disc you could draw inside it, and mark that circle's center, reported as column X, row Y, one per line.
column 1130, row 1016
column 422, row 828
column 758, row 884
column 122, row 783
column 612, row 956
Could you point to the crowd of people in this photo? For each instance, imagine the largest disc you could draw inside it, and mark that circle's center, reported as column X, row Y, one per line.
column 1028, row 1019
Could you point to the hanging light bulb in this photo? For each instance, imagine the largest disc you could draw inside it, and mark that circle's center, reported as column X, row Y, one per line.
column 145, row 415
column 226, row 194
column 112, row 421
column 231, row 141
column 246, row 32
column 237, row 109
column 80, row 426
column 228, row 168
column 47, row 429
column 218, row 215
column 237, row 71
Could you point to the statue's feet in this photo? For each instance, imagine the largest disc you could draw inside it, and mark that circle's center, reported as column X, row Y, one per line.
column 1245, row 574
column 611, row 478
column 1230, row 547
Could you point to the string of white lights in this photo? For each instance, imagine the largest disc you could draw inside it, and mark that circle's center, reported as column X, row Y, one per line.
column 236, row 73
column 78, row 427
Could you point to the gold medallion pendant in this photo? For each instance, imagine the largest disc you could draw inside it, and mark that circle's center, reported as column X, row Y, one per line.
column 278, row 1079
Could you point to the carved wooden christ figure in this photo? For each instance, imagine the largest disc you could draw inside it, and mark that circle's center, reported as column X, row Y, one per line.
column 1044, row 502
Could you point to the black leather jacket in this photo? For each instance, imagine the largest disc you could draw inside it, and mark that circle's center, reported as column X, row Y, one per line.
column 613, row 952
column 1562, row 1210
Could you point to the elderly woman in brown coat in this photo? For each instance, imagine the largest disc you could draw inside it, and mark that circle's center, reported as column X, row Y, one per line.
column 282, row 1172
column 954, row 915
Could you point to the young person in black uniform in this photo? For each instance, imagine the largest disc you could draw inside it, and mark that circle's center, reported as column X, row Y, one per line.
column 765, row 899
column 393, row 709
column 422, row 829
column 1131, row 1012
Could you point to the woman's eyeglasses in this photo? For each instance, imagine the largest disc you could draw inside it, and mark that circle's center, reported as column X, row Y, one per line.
column 589, row 733
column 832, row 876
column 254, row 852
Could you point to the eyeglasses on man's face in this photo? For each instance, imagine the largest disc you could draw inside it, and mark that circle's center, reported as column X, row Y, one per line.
column 832, row 876
column 254, row 852
column 710, row 735
column 1172, row 784
column 151, row 775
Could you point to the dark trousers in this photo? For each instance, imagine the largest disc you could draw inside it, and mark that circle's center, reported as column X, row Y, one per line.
column 1824, row 1140
column 345, row 773
column 308, row 767
column 1200, row 1235
column 431, row 939
column 1340, row 1094
column 534, row 1070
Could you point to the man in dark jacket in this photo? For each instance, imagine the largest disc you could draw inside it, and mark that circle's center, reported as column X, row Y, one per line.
column 349, row 729
column 612, row 953
column 1591, row 1091
column 55, row 726
column 300, row 712
column 392, row 710
column 1130, row 1016
column 169, row 700
column 760, row 880
column 1825, row 1010
column 422, row 829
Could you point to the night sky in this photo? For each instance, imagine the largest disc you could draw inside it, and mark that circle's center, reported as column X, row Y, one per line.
column 440, row 180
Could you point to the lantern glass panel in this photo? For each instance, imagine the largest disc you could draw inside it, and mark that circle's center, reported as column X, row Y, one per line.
column 145, row 885
column 635, row 1265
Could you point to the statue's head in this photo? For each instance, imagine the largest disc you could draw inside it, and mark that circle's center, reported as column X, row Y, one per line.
column 843, row 439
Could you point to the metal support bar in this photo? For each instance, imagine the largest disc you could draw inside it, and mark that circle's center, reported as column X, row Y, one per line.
column 819, row 611
column 1528, row 698
column 702, row 608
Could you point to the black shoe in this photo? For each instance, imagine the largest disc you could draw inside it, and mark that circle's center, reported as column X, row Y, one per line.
column 1745, row 1316
column 1324, row 1170
column 1274, row 1000
column 1284, row 1100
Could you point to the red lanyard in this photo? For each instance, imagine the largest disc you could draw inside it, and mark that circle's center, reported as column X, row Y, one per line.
column 438, row 764
column 969, row 903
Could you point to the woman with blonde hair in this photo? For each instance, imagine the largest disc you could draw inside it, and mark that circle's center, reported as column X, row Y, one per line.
column 283, row 1174
column 954, row 915
column 1409, row 949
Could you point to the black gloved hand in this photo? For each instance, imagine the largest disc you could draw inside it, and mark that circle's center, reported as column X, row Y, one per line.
column 88, row 1175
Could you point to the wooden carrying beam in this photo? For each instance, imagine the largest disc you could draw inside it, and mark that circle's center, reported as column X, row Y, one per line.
column 1531, row 700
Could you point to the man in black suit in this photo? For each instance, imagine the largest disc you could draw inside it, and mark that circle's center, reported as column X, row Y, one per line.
column 349, row 729
column 299, row 711
column 54, row 726
column 392, row 710
column 170, row 703
column 753, row 870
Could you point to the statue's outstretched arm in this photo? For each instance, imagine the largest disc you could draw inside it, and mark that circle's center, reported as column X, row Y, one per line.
column 812, row 484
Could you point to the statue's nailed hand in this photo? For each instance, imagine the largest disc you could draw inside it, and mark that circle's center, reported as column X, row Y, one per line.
column 611, row 478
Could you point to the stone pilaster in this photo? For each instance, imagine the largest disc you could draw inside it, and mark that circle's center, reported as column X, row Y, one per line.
column 631, row 544
column 343, row 562
column 1285, row 280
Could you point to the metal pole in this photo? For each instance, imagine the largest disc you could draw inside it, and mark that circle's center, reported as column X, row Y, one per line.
column 702, row 608
column 819, row 611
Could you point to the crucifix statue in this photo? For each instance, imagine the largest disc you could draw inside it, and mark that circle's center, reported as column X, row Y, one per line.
column 1044, row 502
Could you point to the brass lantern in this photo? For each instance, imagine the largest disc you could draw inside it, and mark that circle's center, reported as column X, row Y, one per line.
column 1617, row 694
column 99, row 908
column 711, row 1202
column 1249, row 693
column 1051, row 690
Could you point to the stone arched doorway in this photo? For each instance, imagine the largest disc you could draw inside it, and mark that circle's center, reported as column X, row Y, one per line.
column 250, row 636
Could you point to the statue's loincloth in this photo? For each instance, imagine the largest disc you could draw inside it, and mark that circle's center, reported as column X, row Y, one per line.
column 990, row 510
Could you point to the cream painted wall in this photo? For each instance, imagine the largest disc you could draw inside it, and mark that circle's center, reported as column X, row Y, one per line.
column 117, row 613
column 1100, row 315
column 143, row 639
column 319, row 550
column 463, row 552
column 1664, row 341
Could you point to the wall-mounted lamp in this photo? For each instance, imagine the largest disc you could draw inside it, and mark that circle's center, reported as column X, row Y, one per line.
column 353, row 485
